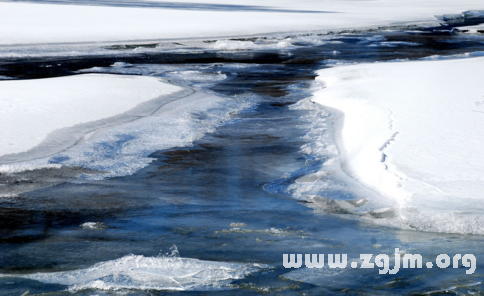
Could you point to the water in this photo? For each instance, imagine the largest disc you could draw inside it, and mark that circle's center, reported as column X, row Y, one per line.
column 233, row 198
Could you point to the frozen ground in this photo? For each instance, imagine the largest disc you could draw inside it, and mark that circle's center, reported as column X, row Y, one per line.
column 32, row 109
column 410, row 131
column 27, row 22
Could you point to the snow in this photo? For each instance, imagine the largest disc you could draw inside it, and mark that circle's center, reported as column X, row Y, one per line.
column 411, row 132
column 30, row 110
column 122, row 144
column 27, row 23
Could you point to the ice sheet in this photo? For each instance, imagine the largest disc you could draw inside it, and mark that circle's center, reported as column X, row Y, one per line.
column 30, row 110
column 148, row 273
column 410, row 131
column 26, row 23
column 124, row 148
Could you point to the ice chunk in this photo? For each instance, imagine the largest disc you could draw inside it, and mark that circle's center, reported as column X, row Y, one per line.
column 467, row 18
column 94, row 225
column 148, row 273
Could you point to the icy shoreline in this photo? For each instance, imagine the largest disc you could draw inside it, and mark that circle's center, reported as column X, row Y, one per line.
column 408, row 131
column 114, row 146
column 40, row 23
column 45, row 116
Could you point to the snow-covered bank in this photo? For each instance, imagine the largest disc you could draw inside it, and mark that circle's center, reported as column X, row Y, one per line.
column 27, row 23
column 32, row 109
column 410, row 131
column 115, row 146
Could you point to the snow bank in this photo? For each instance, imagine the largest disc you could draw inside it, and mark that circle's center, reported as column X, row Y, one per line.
column 321, row 182
column 30, row 110
column 118, row 145
column 411, row 131
column 467, row 18
column 24, row 23
column 148, row 273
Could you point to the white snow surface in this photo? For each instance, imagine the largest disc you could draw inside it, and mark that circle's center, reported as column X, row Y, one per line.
column 411, row 132
column 31, row 109
column 30, row 22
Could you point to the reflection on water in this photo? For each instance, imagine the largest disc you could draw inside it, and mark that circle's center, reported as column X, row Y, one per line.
column 214, row 199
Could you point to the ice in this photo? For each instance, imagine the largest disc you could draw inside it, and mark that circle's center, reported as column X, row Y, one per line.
column 408, row 131
column 32, row 109
column 261, row 43
column 471, row 14
column 237, row 225
column 333, row 62
column 271, row 231
column 192, row 73
column 467, row 18
column 85, row 133
column 317, row 276
column 233, row 45
column 121, row 65
column 148, row 273
column 454, row 56
column 29, row 23
column 322, row 184
column 124, row 148
column 376, row 38
column 93, row 225
column 393, row 44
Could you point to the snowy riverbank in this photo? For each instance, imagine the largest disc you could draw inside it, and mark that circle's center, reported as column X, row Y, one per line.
column 101, row 122
column 410, row 131
column 41, row 22
column 32, row 109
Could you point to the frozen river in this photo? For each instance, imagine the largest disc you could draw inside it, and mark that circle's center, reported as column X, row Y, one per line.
column 232, row 197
